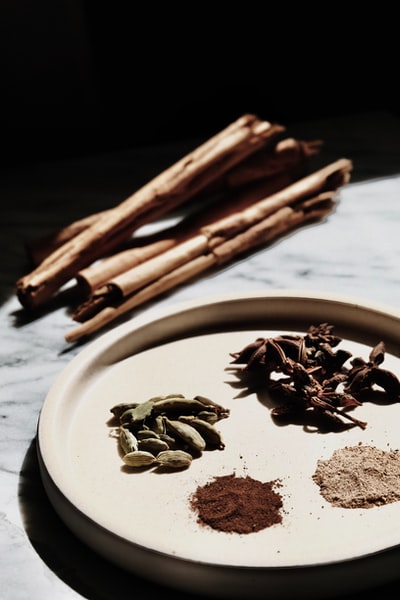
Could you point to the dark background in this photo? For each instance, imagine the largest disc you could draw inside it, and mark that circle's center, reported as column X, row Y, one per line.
column 82, row 77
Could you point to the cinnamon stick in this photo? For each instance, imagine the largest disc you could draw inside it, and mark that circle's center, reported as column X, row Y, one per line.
column 171, row 188
column 330, row 177
column 103, row 271
column 282, row 221
column 275, row 225
column 244, row 213
column 308, row 199
column 109, row 280
column 288, row 156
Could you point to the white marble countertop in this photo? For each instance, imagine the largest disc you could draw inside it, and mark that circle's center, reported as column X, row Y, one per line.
column 355, row 252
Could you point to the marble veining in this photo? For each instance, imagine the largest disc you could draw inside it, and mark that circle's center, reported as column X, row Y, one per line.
column 355, row 251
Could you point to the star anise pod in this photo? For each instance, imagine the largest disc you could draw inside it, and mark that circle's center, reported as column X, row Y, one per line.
column 331, row 362
column 304, row 392
column 321, row 334
column 269, row 354
column 364, row 375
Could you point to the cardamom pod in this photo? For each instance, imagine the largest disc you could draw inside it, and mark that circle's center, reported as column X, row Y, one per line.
column 171, row 441
column 174, row 459
column 220, row 410
column 157, row 425
column 127, row 440
column 136, row 415
column 211, row 435
column 139, row 458
column 120, row 408
column 177, row 405
column 143, row 434
column 153, row 445
column 188, row 434
column 209, row 416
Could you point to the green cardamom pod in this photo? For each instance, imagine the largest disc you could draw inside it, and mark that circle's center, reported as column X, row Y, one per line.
column 120, row 408
column 209, row 416
column 143, row 434
column 127, row 440
column 136, row 415
column 220, row 410
column 139, row 458
column 188, row 434
column 211, row 435
column 171, row 441
column 177, row 405
column 174, row 459
column 153, row 445
column 157, row 425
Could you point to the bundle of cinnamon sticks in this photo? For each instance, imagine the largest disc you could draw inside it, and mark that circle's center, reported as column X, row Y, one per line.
column 259, row 182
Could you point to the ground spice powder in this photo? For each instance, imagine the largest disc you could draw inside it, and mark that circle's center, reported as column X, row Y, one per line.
column 359, row 477
column 238, row 504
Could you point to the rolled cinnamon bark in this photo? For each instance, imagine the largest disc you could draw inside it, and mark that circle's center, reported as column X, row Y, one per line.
column 171, row 188
column 104, row 271
column 287, row 157
column 330, row 177
column 309, row 199
column 283, row 220
column 101, row 272
column 274, row 225
column 245, row 211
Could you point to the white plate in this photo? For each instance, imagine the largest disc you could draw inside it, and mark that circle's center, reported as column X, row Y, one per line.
column 144, row 522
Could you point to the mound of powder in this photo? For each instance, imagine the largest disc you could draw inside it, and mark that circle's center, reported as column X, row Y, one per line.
column 359, row 477
column 238, row 504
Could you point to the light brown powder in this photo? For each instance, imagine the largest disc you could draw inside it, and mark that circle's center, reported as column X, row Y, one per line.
column 359, row 477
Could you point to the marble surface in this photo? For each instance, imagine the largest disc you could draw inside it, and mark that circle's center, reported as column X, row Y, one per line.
column 355, row 252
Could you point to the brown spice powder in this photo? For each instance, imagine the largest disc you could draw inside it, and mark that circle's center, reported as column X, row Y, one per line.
column 359, row 477
column 238, row 504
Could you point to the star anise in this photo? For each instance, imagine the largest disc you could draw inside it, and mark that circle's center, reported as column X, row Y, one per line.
column 365, row 374
column 321, row 334
column 267, row 354
column 302, row 386
column 308, row 374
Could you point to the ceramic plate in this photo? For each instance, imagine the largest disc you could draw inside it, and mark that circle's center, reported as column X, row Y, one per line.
column 143, row 521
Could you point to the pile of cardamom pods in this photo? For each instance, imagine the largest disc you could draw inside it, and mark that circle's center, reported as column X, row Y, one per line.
column 167, row 432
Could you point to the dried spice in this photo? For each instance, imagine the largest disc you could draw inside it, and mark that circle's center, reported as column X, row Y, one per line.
column 359, row 477
column 238, row 504
column 309, row 373
column 167, row 432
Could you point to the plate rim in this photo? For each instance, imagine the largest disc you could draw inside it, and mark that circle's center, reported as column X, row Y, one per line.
column 160, row 313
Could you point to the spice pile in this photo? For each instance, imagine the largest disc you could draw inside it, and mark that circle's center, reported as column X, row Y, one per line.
column 238, row 504
column 359, row 477
column 310, row 375
column 167, row 431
